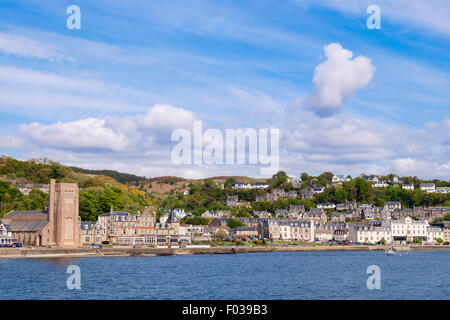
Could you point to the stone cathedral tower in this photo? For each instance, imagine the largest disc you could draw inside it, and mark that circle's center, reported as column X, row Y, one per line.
column 63, row 215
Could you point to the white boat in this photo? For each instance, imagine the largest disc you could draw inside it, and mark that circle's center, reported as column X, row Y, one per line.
column 390, row 252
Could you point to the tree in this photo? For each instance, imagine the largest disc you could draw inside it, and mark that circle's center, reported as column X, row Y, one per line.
column 229, row 183
column 417, row 240
column 439, row 240
column 220, row 234
column 325, row 178
column 196, row 221
column 305, row 177
column 383, row 241
column 235, row 223
column 279, row 179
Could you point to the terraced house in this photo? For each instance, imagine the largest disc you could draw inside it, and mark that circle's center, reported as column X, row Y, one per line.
column 287, row 230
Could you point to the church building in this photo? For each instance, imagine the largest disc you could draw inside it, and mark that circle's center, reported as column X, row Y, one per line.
column 56, row 227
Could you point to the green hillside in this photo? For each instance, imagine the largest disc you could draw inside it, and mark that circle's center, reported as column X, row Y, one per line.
column 97, row 192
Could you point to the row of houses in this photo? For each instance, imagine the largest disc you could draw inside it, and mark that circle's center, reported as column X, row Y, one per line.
column 124, row 228
column 389, row 231
column 431, row 188
column 398, row 231
column 258, row 185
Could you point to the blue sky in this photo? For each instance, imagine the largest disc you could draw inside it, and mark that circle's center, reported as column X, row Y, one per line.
column 92, row 97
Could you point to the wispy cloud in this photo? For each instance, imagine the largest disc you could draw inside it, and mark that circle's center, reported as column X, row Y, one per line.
column 432, row 15
column 24, row 47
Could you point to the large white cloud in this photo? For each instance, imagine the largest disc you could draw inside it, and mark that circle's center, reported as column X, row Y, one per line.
column 137, row 133
column 337, row 79
column 83, row 134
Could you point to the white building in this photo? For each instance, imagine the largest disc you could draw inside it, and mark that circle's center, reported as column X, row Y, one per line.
column 258, row 185
column 434, row 233
column 380, row 184
column 395, row 231
column 371, row 234
column 326, row 206
column 408, row 186
column 339, row 178
column 428, row 187
column 407, row 229
column 443, row 190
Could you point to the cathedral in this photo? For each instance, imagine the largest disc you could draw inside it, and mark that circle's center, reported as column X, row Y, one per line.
column 56, row 227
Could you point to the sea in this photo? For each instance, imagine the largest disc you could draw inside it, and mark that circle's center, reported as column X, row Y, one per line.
column 270, row 275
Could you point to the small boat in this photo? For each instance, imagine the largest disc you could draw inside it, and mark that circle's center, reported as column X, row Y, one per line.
column 390, row 252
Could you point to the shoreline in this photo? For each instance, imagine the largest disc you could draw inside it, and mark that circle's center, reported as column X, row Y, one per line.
column 14, row 253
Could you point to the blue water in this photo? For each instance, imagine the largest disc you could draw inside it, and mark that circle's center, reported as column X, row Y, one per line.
column 290, row 275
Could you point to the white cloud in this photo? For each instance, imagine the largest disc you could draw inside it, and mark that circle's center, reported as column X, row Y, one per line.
column 408, row 166
column 132, row 134
column 25, row 47
column 165, row 118
column 9, row 142
column 91, row 134
column 337, row 79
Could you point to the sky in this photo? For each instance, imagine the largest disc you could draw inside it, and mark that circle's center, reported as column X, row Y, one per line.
column 345, row 98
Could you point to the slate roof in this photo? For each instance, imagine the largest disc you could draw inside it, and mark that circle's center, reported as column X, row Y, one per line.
column 27, row 226
column 87, row 225
column 115, row 213
column 13, row 213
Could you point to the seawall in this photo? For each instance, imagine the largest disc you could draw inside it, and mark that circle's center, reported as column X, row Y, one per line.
column 120, row 252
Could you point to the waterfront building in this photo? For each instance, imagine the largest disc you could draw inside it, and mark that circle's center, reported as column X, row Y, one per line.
column 434, row 233
column 340, row 232
column 6, row 237
column 369, row 233
column 56, row 227
column 91, row 232
column 406, row 229
column 287, row 230
column 124, row 228
column 322, row 232
column 445, row 226
column 244, row 232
